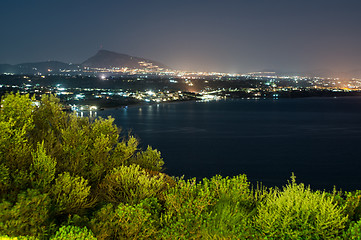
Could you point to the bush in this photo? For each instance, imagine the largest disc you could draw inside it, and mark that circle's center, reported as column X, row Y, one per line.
column 236, row 203
column 62, row 157
column 354, row 231
column 351, row 202
column 299, row 213
column 131, row 184
column 135, row 222
column 186, row 206
column 73, row 233
column 125, row 221
column 149, row 159
column 16, row 121
column 18, row 238
column 4, row 179
column 71, row 194
column 28, row 216
column 42, row 168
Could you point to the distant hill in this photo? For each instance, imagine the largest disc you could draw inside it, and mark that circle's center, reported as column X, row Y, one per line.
column 108, row 59
column 46, row 67
column 39, row 67
column 103, row 59
column 7, row 68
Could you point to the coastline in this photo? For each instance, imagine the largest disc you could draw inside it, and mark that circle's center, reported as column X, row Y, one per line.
column 142, row 104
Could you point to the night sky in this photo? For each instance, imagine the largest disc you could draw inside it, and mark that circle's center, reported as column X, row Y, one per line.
column 227, row 35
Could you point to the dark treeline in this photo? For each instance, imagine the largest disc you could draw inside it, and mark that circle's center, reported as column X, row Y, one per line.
column 140, row 83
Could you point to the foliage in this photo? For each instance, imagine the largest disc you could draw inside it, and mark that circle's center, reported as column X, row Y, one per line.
column 186, row 206
column 131, row 184
column 4, row 178
column 28, row 216
column 236, row 204
column 42, row 168
column 125, row 221
column 71, row 194
column 299, row 213
column 351, row 202
column 354, row 231
column 216, row 208
column 61, row 175
column 18, row 238
column 150, row 159
column 16, row 121
column 73, row 233
column 55, row 162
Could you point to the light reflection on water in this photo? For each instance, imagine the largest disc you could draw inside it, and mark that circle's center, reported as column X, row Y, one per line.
column 91, row 114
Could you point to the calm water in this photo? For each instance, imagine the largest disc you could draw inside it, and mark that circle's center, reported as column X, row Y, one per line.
column 319, row 139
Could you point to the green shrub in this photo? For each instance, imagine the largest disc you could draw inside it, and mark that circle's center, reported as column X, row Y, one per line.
column 231, row 216
column 351, row 202
column 4, row 179
column 227, row 221
column 16, row 121
column 71, row 194
column 75, row 146
column 73, row 233
column 124, row 222
column 354, row 231
column 135, row 222
column 186, row 206
column 299, row 213
column 42, row 168
column 48, row 119
column 28, row 216
column 104, row 223
column 149, row 159
column 18, row 238
column 18, row 110
column 216, row 208
column 124, row 152
column 131, row 184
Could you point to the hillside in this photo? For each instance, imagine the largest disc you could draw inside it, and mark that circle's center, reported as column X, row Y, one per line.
column 108, row 59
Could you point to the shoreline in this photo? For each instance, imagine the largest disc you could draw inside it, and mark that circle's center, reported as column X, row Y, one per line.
column 142, row 104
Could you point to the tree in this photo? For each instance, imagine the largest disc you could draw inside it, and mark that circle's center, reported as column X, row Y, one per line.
column 58, row 162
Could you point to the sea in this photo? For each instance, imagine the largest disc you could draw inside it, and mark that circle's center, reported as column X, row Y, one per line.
column 317, row 139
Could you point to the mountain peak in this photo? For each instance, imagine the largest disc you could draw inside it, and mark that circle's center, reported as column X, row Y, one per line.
column 107, row 52
column 108, row 59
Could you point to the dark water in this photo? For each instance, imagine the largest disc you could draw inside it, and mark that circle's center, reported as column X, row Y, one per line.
column 319, row 139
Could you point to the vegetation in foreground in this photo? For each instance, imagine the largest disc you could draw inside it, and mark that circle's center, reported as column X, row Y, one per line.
column 66, row 177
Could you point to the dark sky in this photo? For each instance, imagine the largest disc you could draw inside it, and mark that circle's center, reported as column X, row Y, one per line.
column 223, row 35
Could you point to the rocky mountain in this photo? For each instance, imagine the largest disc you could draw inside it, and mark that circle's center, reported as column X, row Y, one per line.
column 108, row 59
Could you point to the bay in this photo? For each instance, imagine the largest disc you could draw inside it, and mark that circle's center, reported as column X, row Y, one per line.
column 318, row 139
